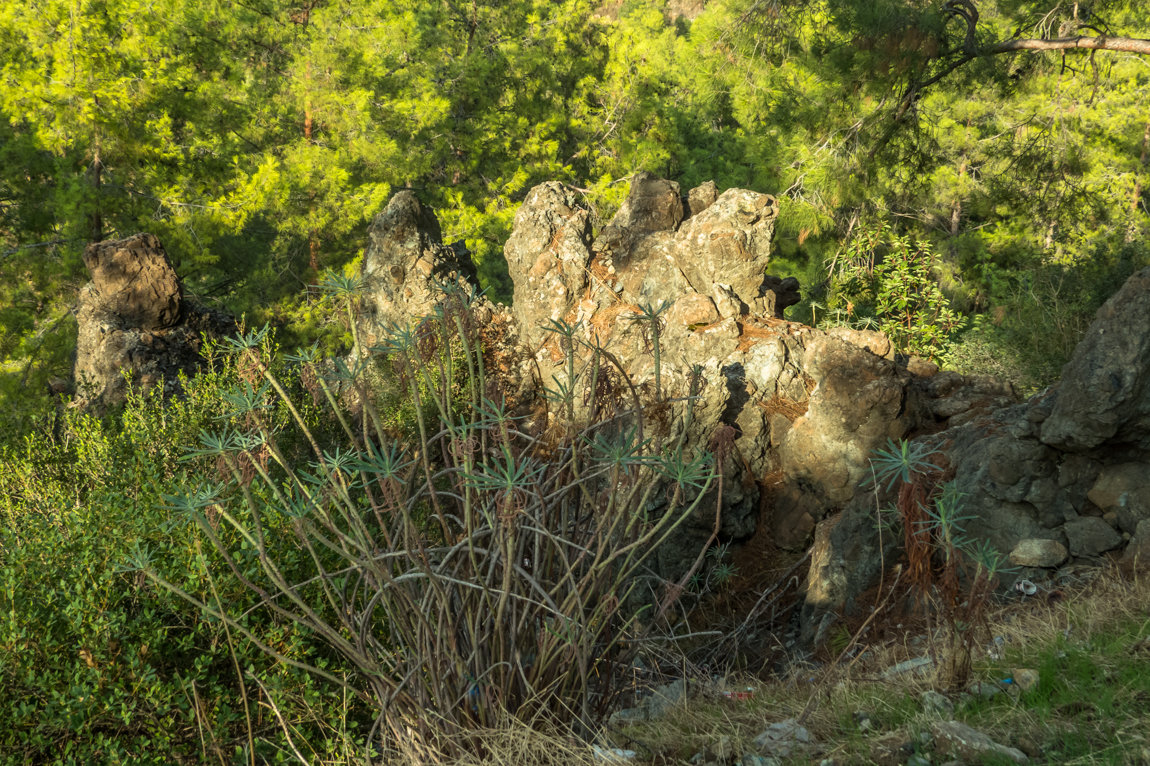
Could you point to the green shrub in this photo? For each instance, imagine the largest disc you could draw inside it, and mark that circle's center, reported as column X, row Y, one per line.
column 100, row 666
column 885, row 280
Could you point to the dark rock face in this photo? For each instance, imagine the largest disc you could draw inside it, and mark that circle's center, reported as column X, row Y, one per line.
column 133, row 317
column 134, row 279
column 1104, row 395
column 1070, row 467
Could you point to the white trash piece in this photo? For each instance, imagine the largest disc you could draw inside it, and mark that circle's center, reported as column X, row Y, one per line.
column 1026, row 587
column 612, row 754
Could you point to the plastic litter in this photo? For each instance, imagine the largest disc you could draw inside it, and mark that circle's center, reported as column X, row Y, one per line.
column 612, row 754
column 741, row 694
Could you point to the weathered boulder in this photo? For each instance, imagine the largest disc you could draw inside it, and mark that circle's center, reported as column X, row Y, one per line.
column 1137, row 553
column 802, row 404
column 701, row 197
column 857, row 403
column 700, row 274
column 652, row 204
column 1091, row 536
column 729, row 244
column 1104, row 394
column 1040, row 480
column 1123, row 489
column 1037, row 552
column 547, row 255
column 404, row 265
column 783, row 738
column 958, row 740
column 133, row 318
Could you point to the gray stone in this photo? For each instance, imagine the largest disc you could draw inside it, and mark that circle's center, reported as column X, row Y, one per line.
column 961, row 741
column 986, row 689
column 404, row 264
column 892, row 749
column 652, row 204
column 874, row 342
column 1137, row 553
column 1091, row 536
column 723, row 749
column 1052, row 502
column 727, row 302
column 752, row 759
column 1076, row 474
column 1123, row 489
column 1036, row 552
column 863, row 720
column 782, row 739
column 628, row 715
column 665, row 698
column 612, row 755
column 655, row 705
column 1104, row 393
column 936, row 702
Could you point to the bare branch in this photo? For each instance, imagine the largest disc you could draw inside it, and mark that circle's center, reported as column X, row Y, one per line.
column 1119, row 44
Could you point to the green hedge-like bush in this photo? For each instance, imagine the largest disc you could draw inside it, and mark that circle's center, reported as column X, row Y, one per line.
column 99, row 665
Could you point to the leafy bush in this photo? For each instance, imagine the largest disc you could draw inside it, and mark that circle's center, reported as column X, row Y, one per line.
column 882, row 278
column 102, row 667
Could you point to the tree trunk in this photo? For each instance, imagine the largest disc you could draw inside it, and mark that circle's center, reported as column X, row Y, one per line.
column 96, row 218
column 1137, row 198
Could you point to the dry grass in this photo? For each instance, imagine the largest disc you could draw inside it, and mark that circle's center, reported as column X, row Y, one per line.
column 1089, row 642
column 517, row 744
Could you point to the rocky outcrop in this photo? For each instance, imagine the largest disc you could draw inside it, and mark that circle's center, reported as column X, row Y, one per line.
column 795, row 412
column 134, row 323
column 1104, row 394
column 802, row 405
column 1064, row 475
column 405, row 265
column 672, row 300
